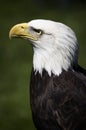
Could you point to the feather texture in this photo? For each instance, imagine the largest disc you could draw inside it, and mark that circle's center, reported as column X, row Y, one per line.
column 59, row 102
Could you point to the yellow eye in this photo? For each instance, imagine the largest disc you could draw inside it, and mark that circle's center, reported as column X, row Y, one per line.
column 38, row 31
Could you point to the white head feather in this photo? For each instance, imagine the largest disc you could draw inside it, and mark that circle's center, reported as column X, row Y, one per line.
column 56, row 49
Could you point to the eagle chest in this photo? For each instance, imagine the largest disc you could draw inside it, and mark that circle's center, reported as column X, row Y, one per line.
column 40, row 96
column 45, row 96
column 43, row 101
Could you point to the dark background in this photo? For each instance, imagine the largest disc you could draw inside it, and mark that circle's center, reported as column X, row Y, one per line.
column 16, row 54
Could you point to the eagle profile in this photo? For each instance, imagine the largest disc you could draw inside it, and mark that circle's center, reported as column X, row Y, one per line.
column 58, row 83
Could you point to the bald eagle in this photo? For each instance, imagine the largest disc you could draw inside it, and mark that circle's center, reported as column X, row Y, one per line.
column 58, row 83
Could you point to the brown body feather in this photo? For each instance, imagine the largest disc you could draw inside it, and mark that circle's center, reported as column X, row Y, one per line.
column 59, row 102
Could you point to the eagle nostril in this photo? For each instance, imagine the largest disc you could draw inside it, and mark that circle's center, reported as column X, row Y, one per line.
column 22, row 27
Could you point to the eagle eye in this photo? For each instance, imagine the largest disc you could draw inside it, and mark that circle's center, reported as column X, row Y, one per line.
column 38, row 31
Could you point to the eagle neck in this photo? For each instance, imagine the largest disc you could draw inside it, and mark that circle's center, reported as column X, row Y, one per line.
column 53, row 61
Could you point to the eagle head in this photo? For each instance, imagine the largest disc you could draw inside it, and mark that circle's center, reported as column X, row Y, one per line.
column 55, row 45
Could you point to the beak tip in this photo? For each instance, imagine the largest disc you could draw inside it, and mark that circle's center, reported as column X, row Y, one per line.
column 10, row 36
column 10, row 33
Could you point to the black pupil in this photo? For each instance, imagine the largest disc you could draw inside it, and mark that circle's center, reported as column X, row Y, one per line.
column 37, row 30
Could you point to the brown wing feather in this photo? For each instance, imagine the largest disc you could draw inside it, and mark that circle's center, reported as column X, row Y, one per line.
column 71, row 109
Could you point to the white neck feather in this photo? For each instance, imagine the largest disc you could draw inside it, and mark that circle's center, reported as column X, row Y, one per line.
column 48, row 61
column 53, row 61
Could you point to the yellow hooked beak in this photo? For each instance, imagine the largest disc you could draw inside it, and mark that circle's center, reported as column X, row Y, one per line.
column 21, row 30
